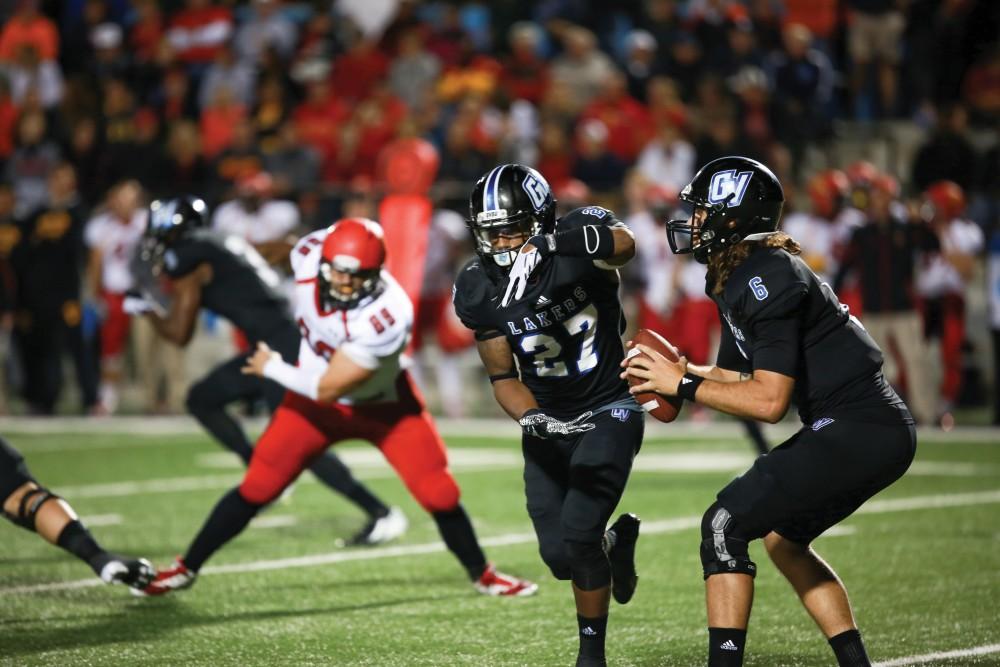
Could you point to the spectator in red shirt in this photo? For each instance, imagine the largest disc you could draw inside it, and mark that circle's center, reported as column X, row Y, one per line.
column 555, row 153
column 626, row 119
column 29, row 27
column 198, row 31
column 525, row 75
column 319, row 119
column 358, row 70
column 218, row 119
column 8, row 120
column 145, row 34
column 373, row 125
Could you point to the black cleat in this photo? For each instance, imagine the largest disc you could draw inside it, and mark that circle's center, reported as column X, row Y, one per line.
column 619, row 544
column 136, row 573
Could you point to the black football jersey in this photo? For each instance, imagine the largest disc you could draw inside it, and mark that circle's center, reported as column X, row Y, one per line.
column 777, row 316
column 565, row 331
column 244, row 289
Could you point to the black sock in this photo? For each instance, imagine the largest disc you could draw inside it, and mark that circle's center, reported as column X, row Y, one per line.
column 228, row 519
column 77, row 540
column 459, row 536
column 331, row 471
column 592, row 633
column 725, row 647
column 849, row 649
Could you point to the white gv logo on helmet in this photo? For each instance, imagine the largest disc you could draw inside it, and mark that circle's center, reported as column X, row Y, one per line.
column 536, row 191
column 726, row 183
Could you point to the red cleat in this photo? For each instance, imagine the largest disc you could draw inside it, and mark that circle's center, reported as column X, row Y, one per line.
column 174, row 578
column 492, row 582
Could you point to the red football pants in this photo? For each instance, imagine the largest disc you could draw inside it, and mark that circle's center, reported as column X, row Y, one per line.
column 301, row 429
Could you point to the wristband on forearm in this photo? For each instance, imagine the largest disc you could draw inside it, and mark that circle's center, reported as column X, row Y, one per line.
column 688, row 385
column 597, row 241
column 291, row 377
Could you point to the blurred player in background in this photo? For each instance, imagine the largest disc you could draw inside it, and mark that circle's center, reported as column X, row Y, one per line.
column 542, row 299
column 31, row 506
column 785, row 333
column 942, row 282
column 882, row 254
column 435, row 316
column 225, row 274
column 350, row 382
column 112, row 237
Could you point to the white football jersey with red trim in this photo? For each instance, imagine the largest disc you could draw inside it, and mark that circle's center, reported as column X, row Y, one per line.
column 373, row 334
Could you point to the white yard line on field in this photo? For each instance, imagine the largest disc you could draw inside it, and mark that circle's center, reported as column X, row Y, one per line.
column 143, row 428
column 986, row 649
column 661, row 526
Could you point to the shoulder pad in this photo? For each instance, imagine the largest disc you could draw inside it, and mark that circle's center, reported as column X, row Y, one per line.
column 587, row 215
column 304, row 256
column 769, row 284
column 472, row 293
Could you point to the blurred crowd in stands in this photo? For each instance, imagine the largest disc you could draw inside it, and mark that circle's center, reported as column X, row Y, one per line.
column 276, row 112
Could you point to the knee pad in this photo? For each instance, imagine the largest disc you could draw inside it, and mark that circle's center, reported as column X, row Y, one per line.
column 29, row 505
column 724, row 547
column 589, row 564
column 437, row 491
column 554, row 556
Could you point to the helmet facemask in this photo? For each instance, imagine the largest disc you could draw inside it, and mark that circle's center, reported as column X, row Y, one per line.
column 493, row 232
column 332, row 297
column 702, row 233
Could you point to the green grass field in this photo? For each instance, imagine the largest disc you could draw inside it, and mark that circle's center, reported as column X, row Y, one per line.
column 921, row 562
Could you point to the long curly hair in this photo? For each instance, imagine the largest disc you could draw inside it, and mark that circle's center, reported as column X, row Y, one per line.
column 722, row 264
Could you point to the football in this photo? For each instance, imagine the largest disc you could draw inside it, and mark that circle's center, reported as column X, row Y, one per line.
column 661, row 407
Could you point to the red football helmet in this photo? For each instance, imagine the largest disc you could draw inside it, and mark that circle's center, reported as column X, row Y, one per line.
column 887, row 184
column 947, row 198
column 828, row 190
column 353, row 246
column 861, row 173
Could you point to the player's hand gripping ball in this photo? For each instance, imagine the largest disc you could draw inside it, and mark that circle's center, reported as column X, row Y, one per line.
column 663, row 408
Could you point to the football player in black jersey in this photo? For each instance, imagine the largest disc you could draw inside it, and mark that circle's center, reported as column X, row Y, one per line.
column 542, row 299
column 227, row 276
column 785, row 334
column 31, row 506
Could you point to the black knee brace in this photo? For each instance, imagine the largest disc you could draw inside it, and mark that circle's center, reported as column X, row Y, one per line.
column 31, row 502
column 589, row 565
column 723, row 544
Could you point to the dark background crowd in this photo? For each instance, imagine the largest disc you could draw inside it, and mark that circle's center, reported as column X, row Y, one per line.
column 276, row 113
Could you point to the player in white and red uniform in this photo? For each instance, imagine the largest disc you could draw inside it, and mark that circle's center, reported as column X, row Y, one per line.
column 350, row 383
column 112, row 237
column 943, row 279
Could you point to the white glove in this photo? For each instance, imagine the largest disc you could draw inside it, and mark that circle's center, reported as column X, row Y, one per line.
column 136, row 305
column 538, row 424
column 517, row 280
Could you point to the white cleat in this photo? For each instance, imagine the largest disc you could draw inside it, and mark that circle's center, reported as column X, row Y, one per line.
column 381, row 530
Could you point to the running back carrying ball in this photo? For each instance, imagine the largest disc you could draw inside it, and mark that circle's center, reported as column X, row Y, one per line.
column 663, row 408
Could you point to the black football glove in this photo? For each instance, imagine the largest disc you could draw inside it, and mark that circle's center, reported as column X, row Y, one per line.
column 538, row 424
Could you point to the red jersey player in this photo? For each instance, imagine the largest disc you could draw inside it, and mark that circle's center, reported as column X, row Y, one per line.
column 350, row 382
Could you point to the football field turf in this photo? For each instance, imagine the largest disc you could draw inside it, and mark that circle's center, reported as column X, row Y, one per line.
column 921, row 561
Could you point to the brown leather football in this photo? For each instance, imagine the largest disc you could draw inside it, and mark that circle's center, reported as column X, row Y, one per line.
column 661, row 407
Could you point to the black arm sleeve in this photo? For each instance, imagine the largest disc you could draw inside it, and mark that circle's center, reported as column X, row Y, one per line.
column 730, row 357
column 776, row 345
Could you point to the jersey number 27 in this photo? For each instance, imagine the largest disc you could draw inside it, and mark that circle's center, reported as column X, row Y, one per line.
column 547, row 352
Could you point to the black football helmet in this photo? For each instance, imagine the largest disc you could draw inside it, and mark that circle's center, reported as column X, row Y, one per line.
column 511, row 198
column 169, row 221
column 734, row 198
